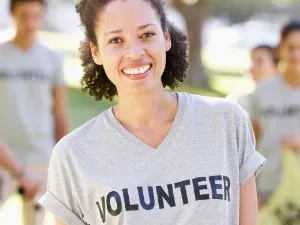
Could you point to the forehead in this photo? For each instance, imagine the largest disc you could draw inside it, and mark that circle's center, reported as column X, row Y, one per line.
column 293, row 38
column 28, row 6
column 122, row 14
column 261, row 52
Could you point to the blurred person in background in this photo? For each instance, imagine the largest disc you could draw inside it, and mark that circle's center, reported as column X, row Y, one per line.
column 32, row 100
column 28, row 180
column 274, row 111
column 264, row 62
column 189, row 156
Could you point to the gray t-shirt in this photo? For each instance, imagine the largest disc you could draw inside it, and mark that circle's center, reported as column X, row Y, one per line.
column 26, row 83
column 102, row 174
column 275, row 106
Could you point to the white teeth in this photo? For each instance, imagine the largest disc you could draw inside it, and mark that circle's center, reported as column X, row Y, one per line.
column 135, row 71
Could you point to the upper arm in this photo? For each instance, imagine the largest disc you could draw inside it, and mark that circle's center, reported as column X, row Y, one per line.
column 256, row 129
column 58, row 84
column 59, row 222
column 59, row 98
column 63, row 186
column 250, row 161
column 248, row 203
column 58, row 78
column 59, row 112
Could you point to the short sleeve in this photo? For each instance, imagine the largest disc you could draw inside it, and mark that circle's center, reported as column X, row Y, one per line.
column 59, row 198
column 58, row 78
column 250, row 161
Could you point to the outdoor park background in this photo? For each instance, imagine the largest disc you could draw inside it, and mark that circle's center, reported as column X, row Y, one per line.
column 224, row 31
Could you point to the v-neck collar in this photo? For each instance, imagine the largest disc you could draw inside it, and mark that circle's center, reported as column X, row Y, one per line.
column 142, row 145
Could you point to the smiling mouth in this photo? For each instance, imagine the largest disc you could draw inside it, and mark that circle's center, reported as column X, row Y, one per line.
column 138, row 70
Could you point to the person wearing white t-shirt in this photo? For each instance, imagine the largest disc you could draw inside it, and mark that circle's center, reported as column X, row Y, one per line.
column 155, row 157
column 274, row 110
column 32, row 102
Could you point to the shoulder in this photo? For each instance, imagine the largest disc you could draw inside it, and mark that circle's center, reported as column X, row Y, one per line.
column 215, row 111
column 73, row 144
column 268, row 84
column 213, row 105
column 5, row 47
column 245, row 100
column 55, row 56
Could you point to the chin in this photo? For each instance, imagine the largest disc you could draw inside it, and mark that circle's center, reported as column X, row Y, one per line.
column 141, row 88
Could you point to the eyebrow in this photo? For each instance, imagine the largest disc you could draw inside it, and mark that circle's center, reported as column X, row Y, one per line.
column 139, row 28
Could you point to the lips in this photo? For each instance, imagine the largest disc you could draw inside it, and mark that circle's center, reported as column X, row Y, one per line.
column 137, row 70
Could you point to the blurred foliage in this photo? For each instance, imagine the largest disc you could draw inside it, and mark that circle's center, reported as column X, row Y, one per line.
column 239, row 10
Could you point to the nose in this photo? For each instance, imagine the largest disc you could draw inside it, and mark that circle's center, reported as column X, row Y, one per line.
column 135, row 50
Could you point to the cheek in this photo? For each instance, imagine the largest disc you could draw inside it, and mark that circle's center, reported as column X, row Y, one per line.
column 253, row 68
column 270, row 65
column 111, row 60
column 158, row 52
column 160, row 62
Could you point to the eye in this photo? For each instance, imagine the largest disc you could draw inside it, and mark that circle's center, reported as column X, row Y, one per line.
column 148, row 34
column 115, row 40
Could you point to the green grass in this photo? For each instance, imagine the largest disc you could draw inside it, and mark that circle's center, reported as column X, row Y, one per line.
column 82, row 107
column 226, row 84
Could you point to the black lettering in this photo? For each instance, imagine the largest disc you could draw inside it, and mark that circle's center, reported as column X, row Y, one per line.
column 226, row 188
column 102, row 211
column 161, row 195
column 142, row 198
column 198, row 188
column 182, row 185
column 117, row 197
column 215, row 187
column 290, row 111
column 128, row 206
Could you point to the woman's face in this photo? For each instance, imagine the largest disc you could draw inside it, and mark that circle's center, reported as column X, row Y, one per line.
column 262, row 64
column 131, row 46
column 290, row 51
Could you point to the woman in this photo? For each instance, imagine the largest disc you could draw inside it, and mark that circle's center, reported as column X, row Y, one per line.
column 264, row 62
column 274, row 111
column 156, row 157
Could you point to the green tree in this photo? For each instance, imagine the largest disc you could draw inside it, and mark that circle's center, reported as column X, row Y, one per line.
column 239, row 10
column 195, row 13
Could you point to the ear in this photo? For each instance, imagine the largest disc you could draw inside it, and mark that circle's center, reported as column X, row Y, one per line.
column 95, row 54
column 168, row 40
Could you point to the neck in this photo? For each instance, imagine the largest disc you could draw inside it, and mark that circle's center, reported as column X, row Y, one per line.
column 23, row 42
column 293, row 78
column 146, row 109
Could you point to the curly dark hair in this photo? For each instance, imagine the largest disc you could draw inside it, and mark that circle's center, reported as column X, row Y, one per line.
column 290, row 27
column 95, row 80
